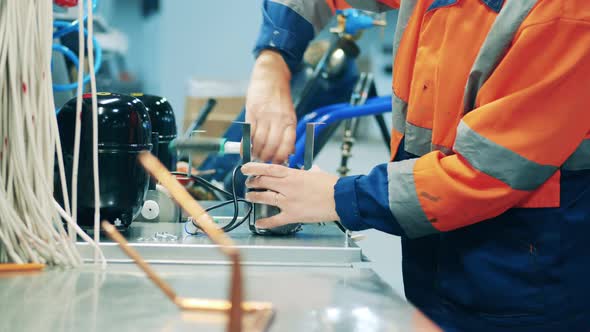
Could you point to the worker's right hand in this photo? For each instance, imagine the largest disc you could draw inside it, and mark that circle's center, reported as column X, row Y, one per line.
column 269, row 109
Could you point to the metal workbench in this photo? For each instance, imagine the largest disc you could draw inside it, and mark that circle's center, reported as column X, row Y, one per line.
column 316, row 279
column 123, row 299
column 316, row 245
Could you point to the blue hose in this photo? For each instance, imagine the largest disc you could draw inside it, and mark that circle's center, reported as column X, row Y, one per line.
column 343, row 113
column 318, row 113
column 74, row 59
column 68, row 27
column 64, row 29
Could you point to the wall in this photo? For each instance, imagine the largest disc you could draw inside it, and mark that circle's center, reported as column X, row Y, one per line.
column 207, row 40
column 144, row 35
column 188, row 38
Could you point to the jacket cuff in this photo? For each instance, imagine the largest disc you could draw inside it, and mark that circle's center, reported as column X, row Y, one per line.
column 347, row 204
column 363, row 202
column 285, row 31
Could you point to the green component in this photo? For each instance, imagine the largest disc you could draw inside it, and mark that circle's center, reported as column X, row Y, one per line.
column 172, row 146
column 222, row 146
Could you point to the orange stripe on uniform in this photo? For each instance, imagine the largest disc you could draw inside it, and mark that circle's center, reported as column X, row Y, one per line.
column 396, row 139
column 452, row 194
column 390, row 3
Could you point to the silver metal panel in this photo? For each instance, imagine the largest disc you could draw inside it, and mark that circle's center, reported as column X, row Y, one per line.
column 123, row 299
column 314, row 245
column 309, row 146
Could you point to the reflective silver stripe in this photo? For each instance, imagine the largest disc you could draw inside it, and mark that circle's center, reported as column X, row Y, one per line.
column 494, row 47
column 403, row 199
column 399, row 109
column 580, row 159
column 405, row 12
column 499, row 162
column 316, row 12
column 417, row 140
column 373, row 6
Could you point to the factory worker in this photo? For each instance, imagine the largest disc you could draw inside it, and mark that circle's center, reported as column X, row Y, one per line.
column 489, row 183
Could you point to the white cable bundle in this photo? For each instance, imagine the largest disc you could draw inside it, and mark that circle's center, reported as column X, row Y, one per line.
column 31, row 229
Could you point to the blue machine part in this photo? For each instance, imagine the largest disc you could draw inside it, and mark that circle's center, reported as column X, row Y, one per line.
column 356, row 20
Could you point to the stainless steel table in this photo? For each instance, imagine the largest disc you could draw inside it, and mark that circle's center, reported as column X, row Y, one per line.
column 317, row 280
column 123, row 299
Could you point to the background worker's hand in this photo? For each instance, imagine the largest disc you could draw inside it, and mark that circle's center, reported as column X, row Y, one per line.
column 269, row 108
column 302, row 196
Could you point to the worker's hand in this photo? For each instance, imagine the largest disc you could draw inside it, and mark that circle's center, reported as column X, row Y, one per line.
column 269, row 108
column 302, row 196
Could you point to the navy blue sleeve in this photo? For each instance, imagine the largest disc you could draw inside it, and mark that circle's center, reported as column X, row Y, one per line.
column 285, row 31
column 362, row 202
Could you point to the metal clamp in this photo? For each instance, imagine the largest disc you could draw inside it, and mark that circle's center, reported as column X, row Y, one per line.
column 264, row 211
column 309, row 153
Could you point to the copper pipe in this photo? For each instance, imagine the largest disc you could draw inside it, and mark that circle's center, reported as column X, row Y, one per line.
column 183, row 303
column 192, row 304
column 114, row 234
column 206, row 223
column 235, row 296
column 9, row 267
column 235, row 307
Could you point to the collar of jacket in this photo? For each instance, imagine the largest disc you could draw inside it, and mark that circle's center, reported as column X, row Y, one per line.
column 495, row 5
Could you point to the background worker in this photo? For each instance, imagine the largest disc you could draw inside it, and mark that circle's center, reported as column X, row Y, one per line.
column 489, row 183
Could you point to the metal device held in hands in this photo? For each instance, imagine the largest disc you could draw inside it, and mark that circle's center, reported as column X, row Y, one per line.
column 262, row 211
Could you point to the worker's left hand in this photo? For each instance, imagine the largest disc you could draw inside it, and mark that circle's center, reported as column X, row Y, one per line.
column 302, row 196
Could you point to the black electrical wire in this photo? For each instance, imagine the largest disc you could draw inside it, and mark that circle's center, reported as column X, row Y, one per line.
column 233, row 199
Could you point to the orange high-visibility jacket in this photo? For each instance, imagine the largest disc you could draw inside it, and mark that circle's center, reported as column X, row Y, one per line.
column 491, row 103
column 484, row 153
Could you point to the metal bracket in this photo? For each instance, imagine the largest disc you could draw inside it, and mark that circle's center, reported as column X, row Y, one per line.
column 309, row 153
column 246, row 142
column 265, row 211
column 189, row 169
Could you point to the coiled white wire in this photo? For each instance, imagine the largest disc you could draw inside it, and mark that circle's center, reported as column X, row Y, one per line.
column 31, row 228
